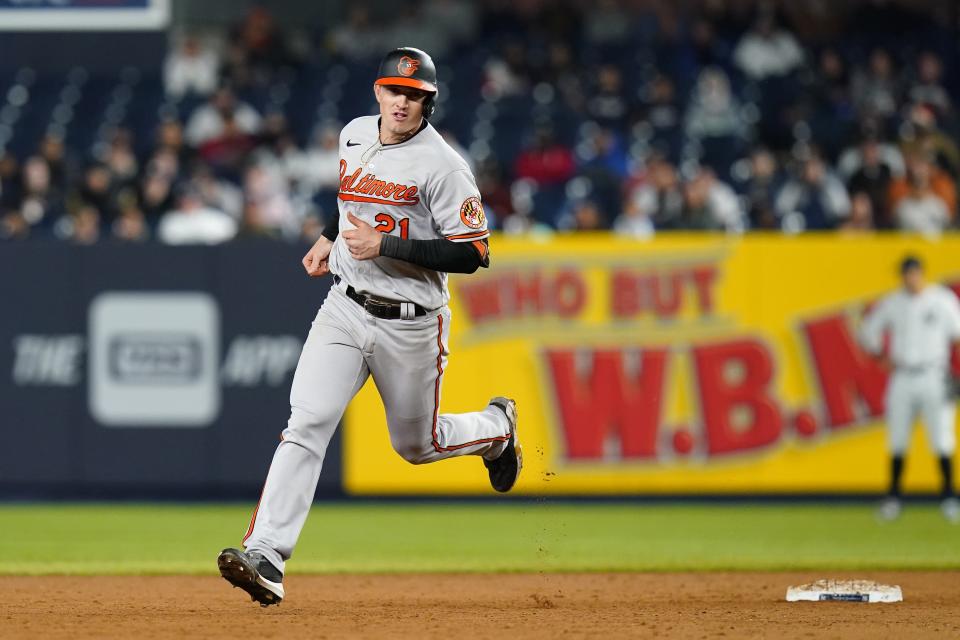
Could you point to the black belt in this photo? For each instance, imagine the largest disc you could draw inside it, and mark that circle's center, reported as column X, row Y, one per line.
column 384, row 309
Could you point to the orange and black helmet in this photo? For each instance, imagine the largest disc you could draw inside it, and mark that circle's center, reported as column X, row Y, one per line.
column 409, row 67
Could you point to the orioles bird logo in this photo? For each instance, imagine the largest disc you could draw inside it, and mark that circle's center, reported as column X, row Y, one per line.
column 407, row 66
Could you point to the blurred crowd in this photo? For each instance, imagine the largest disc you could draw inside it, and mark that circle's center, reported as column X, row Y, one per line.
column 639, row 117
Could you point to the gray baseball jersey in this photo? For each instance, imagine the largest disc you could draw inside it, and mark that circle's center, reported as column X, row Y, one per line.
column 921, row 329
column 419, row 189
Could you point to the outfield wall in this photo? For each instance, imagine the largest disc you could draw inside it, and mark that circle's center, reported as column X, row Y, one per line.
column 686, row 365
column 689, row 365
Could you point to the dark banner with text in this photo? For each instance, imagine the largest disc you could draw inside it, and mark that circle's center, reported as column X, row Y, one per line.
column 149, row 370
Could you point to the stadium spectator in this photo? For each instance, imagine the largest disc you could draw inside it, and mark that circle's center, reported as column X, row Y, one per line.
column 861, row 213
column 193, row 223
column 217, row 193
column 120, row 159
column 96, row 192
column 814, row 199
column 831, row 84
column 921, row 208
column 871, row 149
column 253, row 223
column 170, row 137
column 829, row 105
column 42, row 203
column 939, row 181
column 276, row 145
column 13, row 226
column 228, row 152
column 634, row 223
column 221, row 113
column 605, row 163
column 920, row 134
column 714, row 111
column 928, row 86
column 759, row 179
column 608, row 104
column 871, row 168
column 268, row 205
column 709, row 204
column 583, row 215
column 191, row 67
column 660, row 117
column 164, row 161
column 715, row 120
column 767, row 50
column 876, row 89
column 506, row 74
column 317, row 168
column 131, row 224
column 156, row 186
column 562, row 72
column 547, row 162
column 62, row 166
column 84, row 225
column 660, row 198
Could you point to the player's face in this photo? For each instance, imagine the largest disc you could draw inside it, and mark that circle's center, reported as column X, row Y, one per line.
column 401, row 109
column 913, row 280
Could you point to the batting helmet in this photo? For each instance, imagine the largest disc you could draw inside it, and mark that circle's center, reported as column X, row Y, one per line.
column 409, row 67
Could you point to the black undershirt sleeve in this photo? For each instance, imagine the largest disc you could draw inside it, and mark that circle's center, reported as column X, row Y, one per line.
column 439, row 255
column 332, row 230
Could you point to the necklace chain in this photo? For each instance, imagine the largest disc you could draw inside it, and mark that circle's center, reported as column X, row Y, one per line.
column 375, row 148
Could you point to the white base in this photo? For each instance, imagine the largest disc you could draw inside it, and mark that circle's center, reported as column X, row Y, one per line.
column 845, row 591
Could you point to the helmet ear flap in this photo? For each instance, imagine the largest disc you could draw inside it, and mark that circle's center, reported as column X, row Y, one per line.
column 429, row 105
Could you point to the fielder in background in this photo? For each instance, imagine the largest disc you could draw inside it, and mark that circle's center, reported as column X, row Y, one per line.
column 409, row 212
column 922, row 321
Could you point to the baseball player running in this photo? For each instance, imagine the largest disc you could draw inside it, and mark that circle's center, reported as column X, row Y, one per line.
column 409, row 212
column 922, row 321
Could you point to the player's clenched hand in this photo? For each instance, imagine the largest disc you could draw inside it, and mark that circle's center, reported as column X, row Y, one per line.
column 316, row 262
column 364, row 241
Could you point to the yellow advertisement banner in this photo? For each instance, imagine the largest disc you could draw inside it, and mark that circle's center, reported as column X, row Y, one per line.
column 683, row 365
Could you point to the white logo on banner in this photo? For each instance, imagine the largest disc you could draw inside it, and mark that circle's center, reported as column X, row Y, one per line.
column 153, row 359
column 256, row 360
column 47, row 360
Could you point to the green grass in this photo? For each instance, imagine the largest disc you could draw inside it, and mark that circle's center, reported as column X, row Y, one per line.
column 535, row 536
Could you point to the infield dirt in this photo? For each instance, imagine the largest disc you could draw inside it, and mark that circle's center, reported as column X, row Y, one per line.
column 681, row 605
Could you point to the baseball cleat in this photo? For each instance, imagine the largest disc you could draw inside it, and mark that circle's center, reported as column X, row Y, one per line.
column 950, row 508
column 889, row 509
column 253, row 573
column 505, row 469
